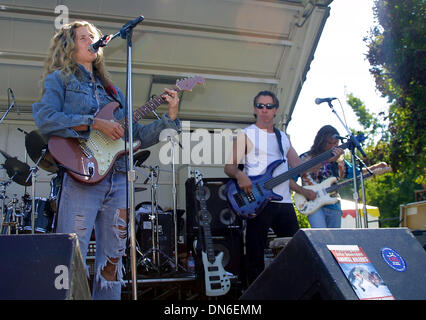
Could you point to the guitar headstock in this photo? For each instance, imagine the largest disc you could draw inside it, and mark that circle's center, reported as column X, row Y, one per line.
column 381, row 169
column 198, row 176
column 189, row 83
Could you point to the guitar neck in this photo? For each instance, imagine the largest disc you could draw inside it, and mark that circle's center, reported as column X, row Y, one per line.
column 147, row 108
column 209, row 242
column 271, row 183
column 345, row 183
column 204, row 221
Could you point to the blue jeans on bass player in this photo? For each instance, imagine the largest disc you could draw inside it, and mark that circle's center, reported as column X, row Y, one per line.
column 83, row 207
column 326, row 217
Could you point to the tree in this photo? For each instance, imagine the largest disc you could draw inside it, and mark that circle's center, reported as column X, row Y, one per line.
column 390, row 190
column 396, row 53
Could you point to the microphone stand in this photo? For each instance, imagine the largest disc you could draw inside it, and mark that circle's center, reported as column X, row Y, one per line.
column 364, row 208
column 126, row 32
column 354, row 145
column 33, row 176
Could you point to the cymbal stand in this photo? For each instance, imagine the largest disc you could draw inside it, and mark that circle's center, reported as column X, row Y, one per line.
column 10, row 106
column 11, row 217
column 3, row 198
column 33, row 175
column 154, row 218
column 154, row 215
column 174, row 142
column 156, row 251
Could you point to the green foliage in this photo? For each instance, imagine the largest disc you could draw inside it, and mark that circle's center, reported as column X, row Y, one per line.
column 373, row 124
column 396, row 52
column 388, row 192
column 397, row 55
column 301, row 218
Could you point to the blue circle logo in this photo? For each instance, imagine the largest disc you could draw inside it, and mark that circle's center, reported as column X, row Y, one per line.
column 394, row 260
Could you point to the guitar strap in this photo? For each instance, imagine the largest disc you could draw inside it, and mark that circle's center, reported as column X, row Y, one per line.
column 280, row 144
column 110, row 89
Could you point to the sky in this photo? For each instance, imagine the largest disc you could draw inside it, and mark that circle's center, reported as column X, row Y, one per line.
column 339, row 67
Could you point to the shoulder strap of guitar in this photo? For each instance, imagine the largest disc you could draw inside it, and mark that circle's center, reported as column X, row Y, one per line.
column 280, row 144
column 110, row 89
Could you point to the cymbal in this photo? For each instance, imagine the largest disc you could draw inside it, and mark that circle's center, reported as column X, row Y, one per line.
column 18, row 171
column 139, row 189
column 140, row 157
column 35, row 143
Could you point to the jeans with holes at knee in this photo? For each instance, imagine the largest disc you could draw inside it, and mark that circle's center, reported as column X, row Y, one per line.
column 326, row 218
column 83, row 207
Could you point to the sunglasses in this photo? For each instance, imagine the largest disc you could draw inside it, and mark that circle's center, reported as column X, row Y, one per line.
column 268, row 106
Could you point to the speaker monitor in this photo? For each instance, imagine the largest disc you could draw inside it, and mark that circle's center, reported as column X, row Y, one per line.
column 42, row 267
column 220, row 215
column 306, row 269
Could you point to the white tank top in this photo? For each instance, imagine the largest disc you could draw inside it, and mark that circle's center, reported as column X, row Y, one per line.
column 265, row 151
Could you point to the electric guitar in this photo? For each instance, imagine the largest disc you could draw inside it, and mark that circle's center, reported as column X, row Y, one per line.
column 90, row 161
column 248, row 206
column 217, row 282
column 324, row 191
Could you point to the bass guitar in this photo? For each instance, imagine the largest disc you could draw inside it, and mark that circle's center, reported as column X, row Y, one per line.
column 217, row 282
column 325, row 190
column 90, row 161
column 249, row 205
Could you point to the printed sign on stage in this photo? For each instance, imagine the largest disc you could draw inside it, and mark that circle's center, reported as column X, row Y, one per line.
column 360, row 272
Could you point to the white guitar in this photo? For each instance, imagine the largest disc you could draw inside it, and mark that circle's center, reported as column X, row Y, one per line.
column 325, row 193
column 217, row 281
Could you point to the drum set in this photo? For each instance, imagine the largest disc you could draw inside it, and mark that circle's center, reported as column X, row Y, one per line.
column 29, row 214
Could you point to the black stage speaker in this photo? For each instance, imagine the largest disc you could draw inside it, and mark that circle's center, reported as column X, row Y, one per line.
column 306, row 269
column 220, row 215
column 42, row 267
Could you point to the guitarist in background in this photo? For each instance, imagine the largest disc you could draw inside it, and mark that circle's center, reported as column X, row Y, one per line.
column 330, row 215
column 256, row 147
column 76, row 86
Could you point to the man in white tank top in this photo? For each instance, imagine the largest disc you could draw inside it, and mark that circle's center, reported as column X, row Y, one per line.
column 256, row 147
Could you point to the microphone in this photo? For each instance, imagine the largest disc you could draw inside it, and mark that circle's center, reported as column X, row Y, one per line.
column 102, row 42
column 321, row 100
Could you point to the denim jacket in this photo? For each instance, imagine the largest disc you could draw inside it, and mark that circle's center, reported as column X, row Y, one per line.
column 66, row 104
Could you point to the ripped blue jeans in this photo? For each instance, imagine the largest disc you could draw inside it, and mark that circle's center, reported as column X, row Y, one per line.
column 101, row 206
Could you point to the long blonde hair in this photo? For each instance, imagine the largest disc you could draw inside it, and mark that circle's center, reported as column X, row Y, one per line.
column 62, row 50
